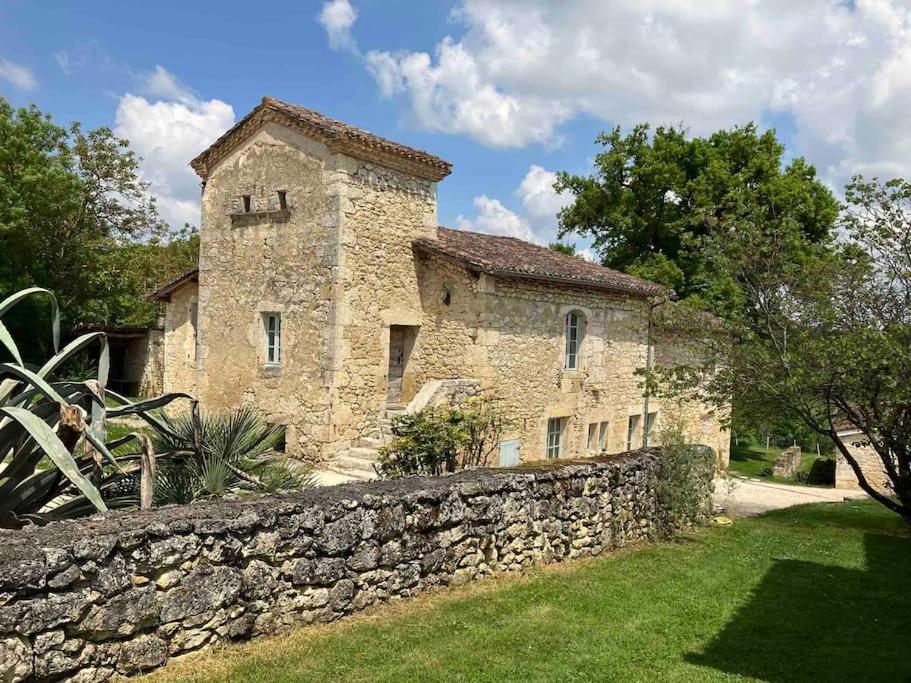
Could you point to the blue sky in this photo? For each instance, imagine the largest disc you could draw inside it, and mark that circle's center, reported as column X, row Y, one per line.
column 509, row 91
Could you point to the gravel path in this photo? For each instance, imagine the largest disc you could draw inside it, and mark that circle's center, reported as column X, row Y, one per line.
column 742, row 497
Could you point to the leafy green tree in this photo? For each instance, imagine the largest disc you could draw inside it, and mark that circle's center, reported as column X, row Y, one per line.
column 823, row 333
column 563, row 248
column 136, row 268
column 70, row 201
column 652, row 198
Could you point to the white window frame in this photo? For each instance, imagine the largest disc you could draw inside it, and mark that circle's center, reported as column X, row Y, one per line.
column 273, row 329
column 632, row 431
column 573, row 331
column 650, row 426
column 592, row 442
column 603, row 434
column 556, row 428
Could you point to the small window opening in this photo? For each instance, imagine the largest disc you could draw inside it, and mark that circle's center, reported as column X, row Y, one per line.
column 273, row 322
column 573, row 334
column 632, row 432
column 593, row 437
column 447, row 296
column 282, row 200
column 248, row 203
column 555, row 429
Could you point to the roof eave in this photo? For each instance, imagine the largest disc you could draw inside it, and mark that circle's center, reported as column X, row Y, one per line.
column 588, row 284
column 164, row 292
column 499, row 272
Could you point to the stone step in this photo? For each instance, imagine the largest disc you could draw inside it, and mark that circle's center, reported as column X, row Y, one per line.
column 347, row 463
column 353, row 475
column 374, row 442
column 363, row 453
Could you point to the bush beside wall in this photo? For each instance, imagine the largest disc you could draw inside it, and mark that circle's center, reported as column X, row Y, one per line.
column 121, row 594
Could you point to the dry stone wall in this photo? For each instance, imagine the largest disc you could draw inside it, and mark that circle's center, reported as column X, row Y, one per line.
column 86, row 600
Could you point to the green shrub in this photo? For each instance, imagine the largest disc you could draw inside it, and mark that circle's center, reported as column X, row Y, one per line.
column 443, row 439
column 55, row 458
column 685, row 482
column 219, row 454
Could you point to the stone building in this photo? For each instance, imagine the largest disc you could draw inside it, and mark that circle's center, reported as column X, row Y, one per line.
column 867, row 459
column 327, row 294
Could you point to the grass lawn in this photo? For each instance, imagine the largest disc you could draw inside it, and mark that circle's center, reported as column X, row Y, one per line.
column 751, row 460
column 814, row 593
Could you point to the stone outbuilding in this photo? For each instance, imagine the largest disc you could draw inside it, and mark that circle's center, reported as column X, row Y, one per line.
column 327, row 294
column 867, row 458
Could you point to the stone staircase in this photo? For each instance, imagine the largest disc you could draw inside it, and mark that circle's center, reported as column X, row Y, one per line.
column 357, row 463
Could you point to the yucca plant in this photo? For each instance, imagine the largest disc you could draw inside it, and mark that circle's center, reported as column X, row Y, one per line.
column 218, row 454
column 54, row 459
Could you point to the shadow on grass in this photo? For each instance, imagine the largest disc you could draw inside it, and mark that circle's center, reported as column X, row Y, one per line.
column 808, row 621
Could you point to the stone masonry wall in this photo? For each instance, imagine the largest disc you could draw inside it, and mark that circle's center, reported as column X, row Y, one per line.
column 270, row 259
column 382, row 212
column 870, row 464
column 179, row 347
column 509, row 334
column 88, row 599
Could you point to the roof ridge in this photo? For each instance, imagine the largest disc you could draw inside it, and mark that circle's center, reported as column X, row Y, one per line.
column 553, row 252
column 338, row 135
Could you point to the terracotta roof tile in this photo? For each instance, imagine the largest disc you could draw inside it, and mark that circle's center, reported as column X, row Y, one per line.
column 511, row 257
column 164, row 292
column 337, row 134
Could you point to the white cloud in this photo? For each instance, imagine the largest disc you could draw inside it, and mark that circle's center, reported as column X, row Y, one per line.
column 495, row 219
column 20, row 76
column 167, row 131
column 63, row 61
column 518, row 69
column 537, row 220
column 338, row 17
column 162, row 83
column 539, row 199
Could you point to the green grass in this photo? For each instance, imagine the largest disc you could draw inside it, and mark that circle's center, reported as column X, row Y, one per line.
column 750, row 460
column 816, row 593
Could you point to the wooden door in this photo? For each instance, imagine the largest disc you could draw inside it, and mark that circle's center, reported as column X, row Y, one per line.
column 396, row 363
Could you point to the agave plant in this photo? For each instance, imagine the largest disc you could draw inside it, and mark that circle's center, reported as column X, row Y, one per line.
column 217, row 454
column 54, row 459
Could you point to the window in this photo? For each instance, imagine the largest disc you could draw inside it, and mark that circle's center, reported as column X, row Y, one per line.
column 573, row 340
column 597, row 437
column 555, row 426
column 602, row 437
column 649, row 426
column 593, row 437
column 248, row 203
column 282, row 200
column 632, row 432
column 273, row 323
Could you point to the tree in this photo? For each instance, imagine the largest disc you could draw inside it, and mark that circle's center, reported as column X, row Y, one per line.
column 824, row 333
column 652, row 198
column 69, row 202
column 563, row 248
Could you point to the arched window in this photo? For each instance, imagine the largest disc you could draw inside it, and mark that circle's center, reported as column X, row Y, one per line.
column 573, row 333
